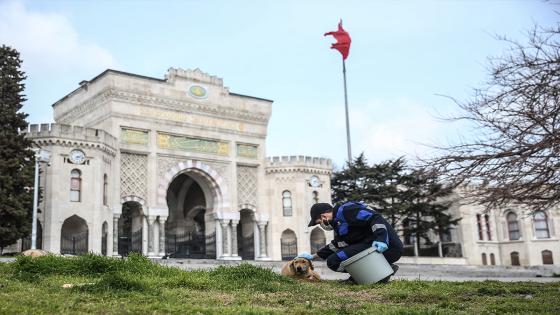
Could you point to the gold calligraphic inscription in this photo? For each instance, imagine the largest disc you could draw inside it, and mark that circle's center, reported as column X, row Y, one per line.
column 166, row 141
column 192, row 119
column 163, row 141
column 248, row 151
column 130, row 136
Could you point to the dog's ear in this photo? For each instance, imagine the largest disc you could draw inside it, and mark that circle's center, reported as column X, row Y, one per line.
column 310, row 265
column 292, row 268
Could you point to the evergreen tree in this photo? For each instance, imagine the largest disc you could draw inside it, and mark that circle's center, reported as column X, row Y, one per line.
column 414, row 198
column 357, row 181
column 378, row 185
column 426, row 209
column 16, row 158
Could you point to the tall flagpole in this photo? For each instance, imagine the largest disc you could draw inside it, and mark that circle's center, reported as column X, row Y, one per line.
column 349, row 146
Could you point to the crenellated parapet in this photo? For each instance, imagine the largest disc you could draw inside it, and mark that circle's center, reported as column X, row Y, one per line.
column 68, row 135
column 299, row 163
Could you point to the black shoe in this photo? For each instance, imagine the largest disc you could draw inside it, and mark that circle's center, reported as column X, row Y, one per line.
column 350, row 280
column 386, row 279
column 395, row 268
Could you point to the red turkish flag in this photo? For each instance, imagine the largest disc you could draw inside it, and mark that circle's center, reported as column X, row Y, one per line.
column 343, row 40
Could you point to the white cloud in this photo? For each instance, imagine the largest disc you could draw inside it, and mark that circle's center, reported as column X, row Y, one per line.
column 49, row 42
column 387, row 129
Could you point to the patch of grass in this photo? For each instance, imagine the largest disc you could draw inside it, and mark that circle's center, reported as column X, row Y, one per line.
column 136, row 285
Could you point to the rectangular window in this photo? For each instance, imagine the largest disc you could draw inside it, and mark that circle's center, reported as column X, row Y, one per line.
column 479, row 225
column 488, row 230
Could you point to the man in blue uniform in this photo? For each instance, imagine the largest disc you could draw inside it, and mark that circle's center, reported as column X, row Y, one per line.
column 356, row 228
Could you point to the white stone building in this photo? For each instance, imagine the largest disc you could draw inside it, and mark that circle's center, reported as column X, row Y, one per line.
column 510, row 236
column 177, row 167
column 172, row 167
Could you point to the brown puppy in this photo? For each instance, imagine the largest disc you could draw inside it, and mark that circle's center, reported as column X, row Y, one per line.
column 300, row 268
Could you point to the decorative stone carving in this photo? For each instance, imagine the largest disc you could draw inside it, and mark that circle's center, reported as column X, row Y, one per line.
column 247, row 185
column 134, row 174
column 164, row 164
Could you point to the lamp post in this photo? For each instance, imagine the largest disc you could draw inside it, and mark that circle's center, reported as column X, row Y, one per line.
column 41, row 155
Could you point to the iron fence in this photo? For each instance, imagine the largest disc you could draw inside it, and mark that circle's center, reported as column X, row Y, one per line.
column 246, row 247
column 130, row 243
column 191, row 245
column 74, row 244
column 315, row 246
column 288, row 249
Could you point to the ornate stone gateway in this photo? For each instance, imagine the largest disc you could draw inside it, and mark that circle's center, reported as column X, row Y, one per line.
column 187, row 235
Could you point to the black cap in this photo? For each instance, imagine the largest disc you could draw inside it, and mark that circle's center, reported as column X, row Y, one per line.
column 316, row 211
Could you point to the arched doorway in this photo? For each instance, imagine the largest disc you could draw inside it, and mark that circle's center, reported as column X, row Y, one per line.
column 317, row 239
column 104, row 233
column 245, row 235
column 188, row 233
column 130, row 228
column 288, row 243
column 74, row 236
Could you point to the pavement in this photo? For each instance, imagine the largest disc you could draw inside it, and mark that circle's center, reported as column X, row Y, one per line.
column 432, row 272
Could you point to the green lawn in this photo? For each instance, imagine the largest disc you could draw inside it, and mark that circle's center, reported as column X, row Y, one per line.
column 136, row 285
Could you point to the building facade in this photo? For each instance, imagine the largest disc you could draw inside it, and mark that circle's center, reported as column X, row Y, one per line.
column 177, row 167
column 509, row 237
column 172, row 167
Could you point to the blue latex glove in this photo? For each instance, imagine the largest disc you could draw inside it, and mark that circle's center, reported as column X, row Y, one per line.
column 305, row 255
column 381, row 247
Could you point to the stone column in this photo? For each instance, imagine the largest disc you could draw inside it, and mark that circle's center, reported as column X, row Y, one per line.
column 234, row 236
column 144, row 235
column 151, row 235
column 116, row 235
column 262, row 238
column 162, row 250
column 226, row 237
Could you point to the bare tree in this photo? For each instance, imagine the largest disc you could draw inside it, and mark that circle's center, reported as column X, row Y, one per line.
column 514, row 157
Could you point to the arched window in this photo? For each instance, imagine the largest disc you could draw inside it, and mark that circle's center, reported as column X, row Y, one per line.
column 492, row 259
column 479, row 225
column 484, row 261
column 288, row 245
column 75, row 185
column 104, row 233
column 287, row 203
column 515, row 259
column 74, row 236
column 541, row 225
column 513, row 226
column 547, row 257
column 317, row 239
column 105, row 189
column 315, row 197
column 488, row 230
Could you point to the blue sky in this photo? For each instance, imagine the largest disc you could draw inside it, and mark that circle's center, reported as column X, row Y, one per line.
column 403, row 54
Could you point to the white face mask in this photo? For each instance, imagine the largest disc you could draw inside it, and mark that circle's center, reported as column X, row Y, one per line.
column 326, row 225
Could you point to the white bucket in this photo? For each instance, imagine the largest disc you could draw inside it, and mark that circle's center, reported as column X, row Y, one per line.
column 368, row 266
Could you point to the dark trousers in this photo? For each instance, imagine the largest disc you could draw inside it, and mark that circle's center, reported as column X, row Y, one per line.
column 334, row 260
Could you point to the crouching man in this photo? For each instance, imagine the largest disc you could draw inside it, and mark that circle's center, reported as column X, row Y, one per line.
column 356, row 228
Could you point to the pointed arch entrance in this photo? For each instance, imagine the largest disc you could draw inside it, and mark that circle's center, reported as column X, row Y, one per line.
column 189, row 230
column 246, row 234
column 130, row 228
column 74, row 236
column 317, row 239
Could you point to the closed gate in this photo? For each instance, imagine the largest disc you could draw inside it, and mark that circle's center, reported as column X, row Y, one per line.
column 75, row 244
column 191, row 245
column 246, row 247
